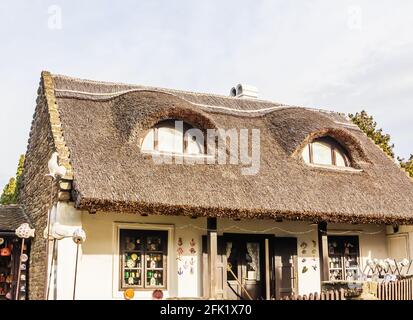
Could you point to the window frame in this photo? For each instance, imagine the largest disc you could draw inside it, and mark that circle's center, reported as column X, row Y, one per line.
column 341, row 240
column 334, row 146
column 117, row 291
column 186, row 127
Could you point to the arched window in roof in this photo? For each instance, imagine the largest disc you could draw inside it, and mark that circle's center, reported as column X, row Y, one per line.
column 175, row 137
column 325, row 151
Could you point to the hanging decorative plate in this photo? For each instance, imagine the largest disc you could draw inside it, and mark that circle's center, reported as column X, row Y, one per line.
column 5, row 252
column 130, row 263
column 1, row 241
column 134, row 257
column 129, row 294
column 24, row 257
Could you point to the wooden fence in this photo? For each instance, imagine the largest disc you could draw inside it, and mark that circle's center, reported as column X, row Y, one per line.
column 329, row 295
column 397, row 290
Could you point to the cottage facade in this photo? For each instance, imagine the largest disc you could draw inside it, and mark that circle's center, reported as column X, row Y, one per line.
column 320, row 203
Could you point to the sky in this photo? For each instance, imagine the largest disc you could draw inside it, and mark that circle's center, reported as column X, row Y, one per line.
column 337, row 55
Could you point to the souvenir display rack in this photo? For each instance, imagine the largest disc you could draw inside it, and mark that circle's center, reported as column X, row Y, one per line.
column 143, row 259
column 344, row 256
column 10, row 250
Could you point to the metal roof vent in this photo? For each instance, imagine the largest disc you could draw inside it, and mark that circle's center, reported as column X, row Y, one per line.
column 244, row 91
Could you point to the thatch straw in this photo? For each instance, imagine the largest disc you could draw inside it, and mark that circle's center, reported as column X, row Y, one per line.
column 103, row 123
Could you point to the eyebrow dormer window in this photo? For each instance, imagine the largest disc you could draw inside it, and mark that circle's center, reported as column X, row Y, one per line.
column 325, row 152
column 174, row 136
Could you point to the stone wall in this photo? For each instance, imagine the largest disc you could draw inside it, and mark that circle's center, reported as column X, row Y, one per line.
column 35, row 194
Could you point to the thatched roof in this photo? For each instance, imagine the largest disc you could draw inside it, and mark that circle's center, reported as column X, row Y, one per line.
column 11, row 217
column 102, row 124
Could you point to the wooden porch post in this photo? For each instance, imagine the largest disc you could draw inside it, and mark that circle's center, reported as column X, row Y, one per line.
column 323, row 250
column 212, row 239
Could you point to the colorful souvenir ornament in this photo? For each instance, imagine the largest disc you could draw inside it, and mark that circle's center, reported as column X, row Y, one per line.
column 129, row 294
column 130, row 263
column 192, row 243
column 157, row 294
column 180, row 242
column 5, row 252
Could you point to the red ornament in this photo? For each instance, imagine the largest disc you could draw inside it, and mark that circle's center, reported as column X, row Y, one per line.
column 157, row 295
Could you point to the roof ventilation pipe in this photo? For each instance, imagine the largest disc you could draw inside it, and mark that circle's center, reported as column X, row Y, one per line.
column 244, row 91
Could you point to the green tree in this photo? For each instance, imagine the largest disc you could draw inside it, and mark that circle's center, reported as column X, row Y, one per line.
column 407, row 165
column 367, row 124
column 11, row 190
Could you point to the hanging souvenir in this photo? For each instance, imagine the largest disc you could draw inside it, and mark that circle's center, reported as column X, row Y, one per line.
column 305, row 269
column 304, row 252
column 180, row 271
column 24, row 257
column 5, row 252
column 192, row 250
column 192, row 243
column 129, row 294
column 180, row 251
column 303, row 245
column 314, row 243
column 180, row 242
column 157, row 294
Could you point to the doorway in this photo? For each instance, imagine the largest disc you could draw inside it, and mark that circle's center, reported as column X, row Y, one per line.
column 246, row 266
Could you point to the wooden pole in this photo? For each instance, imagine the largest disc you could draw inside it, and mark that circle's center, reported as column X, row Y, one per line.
column 267, row 270
column 19, row 271
column 239, row 282
column 74, row 284
column 323, row 250
column 212, row 255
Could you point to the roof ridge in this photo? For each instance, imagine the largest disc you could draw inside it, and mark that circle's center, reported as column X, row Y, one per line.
column 163, row 89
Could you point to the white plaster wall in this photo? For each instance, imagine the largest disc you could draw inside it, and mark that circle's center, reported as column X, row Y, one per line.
column 98, row 271
column 406, row 230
